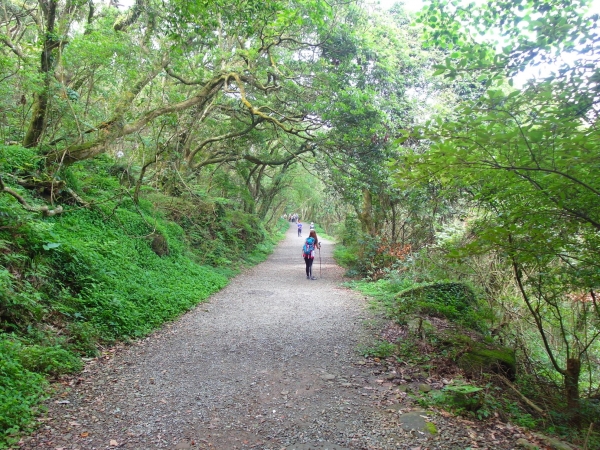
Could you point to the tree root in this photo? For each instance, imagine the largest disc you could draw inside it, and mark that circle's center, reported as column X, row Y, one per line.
column 45, row 210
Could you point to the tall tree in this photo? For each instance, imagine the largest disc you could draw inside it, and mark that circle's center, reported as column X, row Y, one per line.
column 524, row 158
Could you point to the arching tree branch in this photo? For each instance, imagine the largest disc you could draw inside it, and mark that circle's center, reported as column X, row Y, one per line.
column 134, row 13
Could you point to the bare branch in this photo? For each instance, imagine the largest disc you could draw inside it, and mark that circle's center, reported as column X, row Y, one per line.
column 45, row 210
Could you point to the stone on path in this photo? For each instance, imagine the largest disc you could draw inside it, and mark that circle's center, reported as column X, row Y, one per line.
column 320, row 446
column 415, row 421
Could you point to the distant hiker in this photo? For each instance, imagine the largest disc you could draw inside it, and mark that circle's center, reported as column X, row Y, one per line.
column 299, row 228
column 312, row 225
column 308, row 252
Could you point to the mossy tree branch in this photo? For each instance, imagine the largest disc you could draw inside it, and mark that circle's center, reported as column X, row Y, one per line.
column 44, row 210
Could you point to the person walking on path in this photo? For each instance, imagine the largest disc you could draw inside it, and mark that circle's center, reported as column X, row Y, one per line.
column 308, row 253
column 299, row 228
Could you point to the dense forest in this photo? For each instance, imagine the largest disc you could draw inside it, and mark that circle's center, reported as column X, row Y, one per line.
column 148, row 152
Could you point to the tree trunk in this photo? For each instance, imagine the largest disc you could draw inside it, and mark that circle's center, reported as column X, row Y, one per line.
column 49, row 61
column 393, row 237
column 572, row 389
column 366, row 216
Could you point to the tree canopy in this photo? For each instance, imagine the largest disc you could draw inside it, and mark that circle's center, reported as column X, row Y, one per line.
column 424, row 142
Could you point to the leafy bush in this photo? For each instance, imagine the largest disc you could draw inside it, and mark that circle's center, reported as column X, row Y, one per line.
column 379, row 349
column 463, row 399
column 93, row 275
column 20, row 391
column 17, row 160
column 454, row 301
column 346, row 257
column 49, row 360
column 374, row 257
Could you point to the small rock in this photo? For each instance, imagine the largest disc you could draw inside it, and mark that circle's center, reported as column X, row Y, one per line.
column 554, row 444
column 424, row 388
column 415, row 421
column 328, row 377
column 524, row 443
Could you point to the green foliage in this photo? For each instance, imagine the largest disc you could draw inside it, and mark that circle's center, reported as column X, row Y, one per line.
column 402, row 298
column 53, row 361
column 465, row 399
column 118, row 283
column 370, row 256
column 93, row 275
column 454, row 301
column 383, row 290
column 521, row 160
column 379, row 349
column 17, row 160
column 21, row 391
column 346, row 257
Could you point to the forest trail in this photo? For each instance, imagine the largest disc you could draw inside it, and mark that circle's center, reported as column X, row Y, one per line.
column 269, row 362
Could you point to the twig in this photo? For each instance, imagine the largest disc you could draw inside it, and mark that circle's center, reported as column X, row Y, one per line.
column 587, row 437
column 77, row 198
column 536, row 408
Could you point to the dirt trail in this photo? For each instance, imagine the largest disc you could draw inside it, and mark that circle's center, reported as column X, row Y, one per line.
column 269, row 363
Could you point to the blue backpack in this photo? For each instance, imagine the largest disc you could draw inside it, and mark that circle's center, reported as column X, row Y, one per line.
column 308, row 247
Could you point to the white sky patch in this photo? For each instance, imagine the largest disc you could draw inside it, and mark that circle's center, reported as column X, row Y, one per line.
column 533, row 71
column 416, row 5
column 409, row 5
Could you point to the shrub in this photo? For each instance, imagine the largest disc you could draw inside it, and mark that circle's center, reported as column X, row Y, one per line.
column 379, row 349
column 20, row 391
column 111, row 271
column 49, row 360
column 454, row 301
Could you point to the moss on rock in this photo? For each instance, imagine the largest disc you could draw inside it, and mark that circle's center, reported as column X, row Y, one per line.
column 450, row 300
column 500, row 360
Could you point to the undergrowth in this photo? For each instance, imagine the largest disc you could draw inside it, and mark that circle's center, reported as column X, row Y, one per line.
column 110, row 270
column 439, row 349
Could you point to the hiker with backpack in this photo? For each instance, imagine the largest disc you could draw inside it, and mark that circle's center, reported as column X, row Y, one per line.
column 308, row 253
column 299, row 228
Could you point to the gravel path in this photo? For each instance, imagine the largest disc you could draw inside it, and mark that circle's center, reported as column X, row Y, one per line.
column 269, row 363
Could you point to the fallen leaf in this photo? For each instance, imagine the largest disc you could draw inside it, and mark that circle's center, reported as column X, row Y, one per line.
column 85, row 434
column 113, row 443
